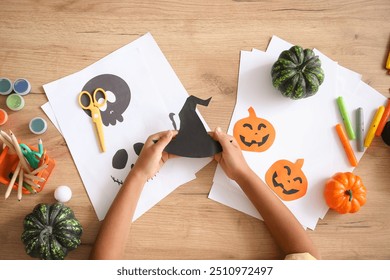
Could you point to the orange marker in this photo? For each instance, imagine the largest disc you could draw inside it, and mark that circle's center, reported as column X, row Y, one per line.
column 384, row 119
column 347, row 146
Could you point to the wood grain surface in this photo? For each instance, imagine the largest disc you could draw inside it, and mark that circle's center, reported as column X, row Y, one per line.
column 46, row 40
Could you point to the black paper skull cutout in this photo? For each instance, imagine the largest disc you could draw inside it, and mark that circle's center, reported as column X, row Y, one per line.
column 118, row 97
column 119, row 160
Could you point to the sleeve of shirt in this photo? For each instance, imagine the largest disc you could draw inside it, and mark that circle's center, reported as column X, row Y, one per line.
column 300, row 256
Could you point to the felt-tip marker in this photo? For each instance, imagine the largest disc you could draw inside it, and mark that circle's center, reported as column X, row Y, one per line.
column 346, row 145
column 345, row 117
column 374, row 126
column 360, row 130
column 384, row 119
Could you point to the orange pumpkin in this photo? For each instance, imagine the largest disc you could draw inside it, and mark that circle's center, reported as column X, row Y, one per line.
column 254, row 134
column 345, row 193
column 287, row 179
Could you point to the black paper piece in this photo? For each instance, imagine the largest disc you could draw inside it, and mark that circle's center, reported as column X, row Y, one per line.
column 192, row 140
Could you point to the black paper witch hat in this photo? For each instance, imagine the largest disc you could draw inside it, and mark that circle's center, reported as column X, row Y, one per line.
column 192, row 139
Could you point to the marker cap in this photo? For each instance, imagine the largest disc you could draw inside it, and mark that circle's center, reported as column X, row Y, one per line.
column 15, row 102
column 5, row 86
column 38, row 125
column 22, row 86
column 3, row 117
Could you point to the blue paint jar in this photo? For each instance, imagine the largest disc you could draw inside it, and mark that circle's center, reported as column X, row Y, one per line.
column 22, row 86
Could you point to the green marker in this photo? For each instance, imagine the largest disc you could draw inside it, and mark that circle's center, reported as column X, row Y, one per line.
column 345, row 117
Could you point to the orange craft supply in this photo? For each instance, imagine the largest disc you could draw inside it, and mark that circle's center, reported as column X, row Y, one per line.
column 347, row 146
column 3, row 117
column 254, row 134
column 385, row 117
column 345, row 192
column 9, row 162
column 287, row 179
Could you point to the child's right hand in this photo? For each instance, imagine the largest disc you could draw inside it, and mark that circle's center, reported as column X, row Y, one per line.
column 231, row 158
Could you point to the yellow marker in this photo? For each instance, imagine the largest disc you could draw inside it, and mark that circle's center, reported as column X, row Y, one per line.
column 374, row 126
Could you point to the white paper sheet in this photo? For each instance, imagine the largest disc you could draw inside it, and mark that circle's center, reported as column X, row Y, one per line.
column 304, row 129
column 138, row 64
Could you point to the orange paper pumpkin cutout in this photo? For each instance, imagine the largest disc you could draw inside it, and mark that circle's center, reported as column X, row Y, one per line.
column 287, row 179
column 254, row 134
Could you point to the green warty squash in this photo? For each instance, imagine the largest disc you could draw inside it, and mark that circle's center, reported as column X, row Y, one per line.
column 50, row 231
column 297, row 73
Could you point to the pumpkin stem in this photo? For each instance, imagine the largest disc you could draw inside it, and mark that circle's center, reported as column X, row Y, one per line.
column 349, row 192
column 303, row 65
column 252, row 112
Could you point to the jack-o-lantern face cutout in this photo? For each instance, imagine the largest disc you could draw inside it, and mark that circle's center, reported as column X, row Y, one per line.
column 287, row 179
column 254, row 134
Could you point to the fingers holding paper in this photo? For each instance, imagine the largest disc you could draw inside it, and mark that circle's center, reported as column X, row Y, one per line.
column 153, row 156
column 231, row 158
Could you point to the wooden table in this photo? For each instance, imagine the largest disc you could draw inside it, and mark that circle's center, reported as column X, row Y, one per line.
column 46, row 40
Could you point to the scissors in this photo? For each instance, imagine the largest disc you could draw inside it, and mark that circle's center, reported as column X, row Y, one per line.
column 94, row 106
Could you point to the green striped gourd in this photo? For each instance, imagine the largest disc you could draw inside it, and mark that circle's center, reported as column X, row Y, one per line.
column 51, row 231
column 297, row 73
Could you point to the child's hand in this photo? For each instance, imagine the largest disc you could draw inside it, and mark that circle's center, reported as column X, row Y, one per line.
column 152, row 156
column 231, row 159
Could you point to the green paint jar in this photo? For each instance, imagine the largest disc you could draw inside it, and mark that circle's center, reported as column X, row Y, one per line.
column 15, row 102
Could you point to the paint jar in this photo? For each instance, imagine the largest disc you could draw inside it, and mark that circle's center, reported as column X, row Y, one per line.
column 38, row 125
column 3, row 117
column 15, row 102
column 5, row 86
column 22, row 86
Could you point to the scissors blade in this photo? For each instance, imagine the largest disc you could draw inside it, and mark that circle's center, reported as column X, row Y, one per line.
column 97, row 119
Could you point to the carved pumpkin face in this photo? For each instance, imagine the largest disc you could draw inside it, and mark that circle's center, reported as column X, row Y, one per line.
column 287, row 179
column 254, row 134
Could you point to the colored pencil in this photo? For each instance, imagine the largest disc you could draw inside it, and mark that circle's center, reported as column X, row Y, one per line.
column 12, row 182
column 6, row 142
column 20, row 185
column 36, row 171
column 31, row 183
column 19, row 153
column 34, row 178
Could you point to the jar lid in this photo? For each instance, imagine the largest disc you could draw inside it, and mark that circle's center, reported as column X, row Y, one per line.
column 5, row 86
column 3, row 116
column 22, row 86
column 15, row 102
column 38, row 125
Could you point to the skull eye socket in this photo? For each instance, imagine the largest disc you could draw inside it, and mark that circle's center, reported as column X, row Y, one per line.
column 120, row 158
column 110, row 98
